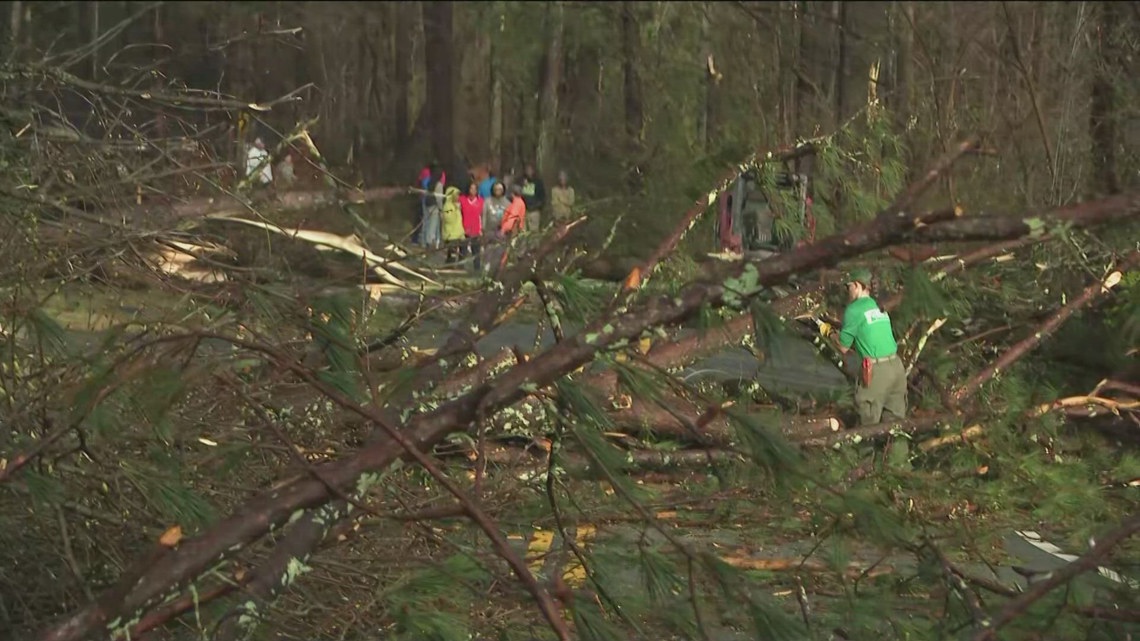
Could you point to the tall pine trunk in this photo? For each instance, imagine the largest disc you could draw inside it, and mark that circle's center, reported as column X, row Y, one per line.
column 1102, row 122
column 402, row 71
column 634, row 110
column 548, row 102
column 495, row 133
column 838, row 80
column 437, row 18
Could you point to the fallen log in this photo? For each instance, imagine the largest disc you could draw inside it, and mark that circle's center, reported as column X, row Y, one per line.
column 533, row 460
column 288, row 201
column 349, row 244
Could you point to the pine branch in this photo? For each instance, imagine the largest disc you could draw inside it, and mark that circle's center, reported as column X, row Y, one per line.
column 1091, row 293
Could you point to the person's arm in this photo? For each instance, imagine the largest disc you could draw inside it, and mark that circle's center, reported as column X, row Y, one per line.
column 850, row 328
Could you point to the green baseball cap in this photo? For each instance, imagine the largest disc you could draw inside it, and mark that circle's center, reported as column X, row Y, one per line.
column 860, row 275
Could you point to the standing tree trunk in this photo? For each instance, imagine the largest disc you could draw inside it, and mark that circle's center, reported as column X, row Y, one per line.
column 634, row 110
column 437, row 18
column 548, row 109
column 94, row 36
column 402, row 72
column 495, row 134
column 799, row 66
column 159, row 39
column 838, row 80
column 706, row 116
column 16, row 19
column 904, row 86
column 1102, row 122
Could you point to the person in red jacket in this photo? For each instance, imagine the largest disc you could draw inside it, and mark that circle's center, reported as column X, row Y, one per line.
column 471, row 206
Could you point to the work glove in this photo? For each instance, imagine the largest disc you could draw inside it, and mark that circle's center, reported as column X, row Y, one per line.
column 825, row 329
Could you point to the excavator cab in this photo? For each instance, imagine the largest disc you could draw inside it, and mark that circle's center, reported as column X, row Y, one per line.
column 746, row 222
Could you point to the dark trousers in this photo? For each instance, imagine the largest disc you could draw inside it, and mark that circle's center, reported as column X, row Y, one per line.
column 474, row 249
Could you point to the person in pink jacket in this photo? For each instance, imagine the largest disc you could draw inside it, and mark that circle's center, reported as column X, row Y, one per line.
column 471, row 206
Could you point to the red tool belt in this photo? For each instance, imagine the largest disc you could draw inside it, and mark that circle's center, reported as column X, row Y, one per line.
column 867, row 372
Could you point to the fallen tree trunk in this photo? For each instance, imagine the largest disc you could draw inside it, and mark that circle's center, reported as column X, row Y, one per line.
column 288, row 201
column 348, row 244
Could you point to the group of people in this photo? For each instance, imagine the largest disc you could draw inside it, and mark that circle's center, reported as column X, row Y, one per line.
column 482, row 212
column 260, row 171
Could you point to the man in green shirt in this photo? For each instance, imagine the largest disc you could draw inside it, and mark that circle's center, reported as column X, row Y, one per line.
column 882, row 380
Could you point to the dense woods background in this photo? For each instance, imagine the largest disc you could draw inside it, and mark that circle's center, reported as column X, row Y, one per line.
column 656, row 90
column 121, row 125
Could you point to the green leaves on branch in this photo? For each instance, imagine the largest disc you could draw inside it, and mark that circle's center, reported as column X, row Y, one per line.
column 763, row 443
column 415, row 602
column 333, row 323
column 924, row 298
column 580, row 303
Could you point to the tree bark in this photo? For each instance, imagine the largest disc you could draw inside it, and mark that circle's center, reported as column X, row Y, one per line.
column 800, row 86
column 548, row 103
column 495, row 131
column 706, row 116
column 15, row 20
column 904, row 91
column 1102, row 108
column 403, row 73
column 438, row 29
column 94, row 35
column 838, row 81
column 634, row 110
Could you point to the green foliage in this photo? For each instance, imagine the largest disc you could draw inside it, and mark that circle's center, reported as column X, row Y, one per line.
column 168, row 494
column 156, row 394
column 579, row 301
column 924, row 299
column 768, row 618
column 766, row 447
column 334, row 321
column 662, row 581
column 590, row 421
column 416, row 604
column 863, row 165
column 49, row 333
column 767, row 328
column 43, row 488
column 591, row 623
column 869, row 517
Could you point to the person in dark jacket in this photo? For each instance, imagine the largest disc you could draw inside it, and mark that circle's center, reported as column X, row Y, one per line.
column 534, row 195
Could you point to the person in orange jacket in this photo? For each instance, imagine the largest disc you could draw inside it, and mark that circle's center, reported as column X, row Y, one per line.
column 515, row 217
